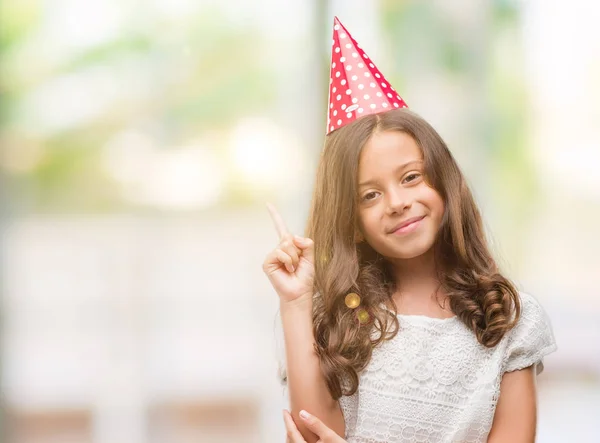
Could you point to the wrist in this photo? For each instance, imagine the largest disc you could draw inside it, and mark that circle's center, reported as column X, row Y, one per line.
column 304, row 302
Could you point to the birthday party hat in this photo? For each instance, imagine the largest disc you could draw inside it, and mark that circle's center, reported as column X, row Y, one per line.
column 356, row 86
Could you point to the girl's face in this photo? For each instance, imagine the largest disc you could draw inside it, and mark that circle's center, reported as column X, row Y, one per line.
column 392, row 192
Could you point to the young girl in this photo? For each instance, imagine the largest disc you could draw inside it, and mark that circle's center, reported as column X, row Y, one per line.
column 398, row 325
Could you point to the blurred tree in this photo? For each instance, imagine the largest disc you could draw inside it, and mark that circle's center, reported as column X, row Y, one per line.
column 171, row 79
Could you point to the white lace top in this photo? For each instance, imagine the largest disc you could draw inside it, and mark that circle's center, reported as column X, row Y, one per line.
column 434, row 382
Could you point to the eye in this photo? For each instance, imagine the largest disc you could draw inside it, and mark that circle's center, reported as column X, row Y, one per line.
column 412, row 177
column 369, row 196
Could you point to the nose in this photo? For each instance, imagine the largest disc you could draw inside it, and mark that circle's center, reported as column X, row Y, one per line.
column 398, row 201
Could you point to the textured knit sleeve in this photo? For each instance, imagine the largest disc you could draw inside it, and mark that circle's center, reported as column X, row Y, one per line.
column 531, row 339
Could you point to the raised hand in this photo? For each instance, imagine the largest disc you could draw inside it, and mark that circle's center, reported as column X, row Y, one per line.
column 290, row 266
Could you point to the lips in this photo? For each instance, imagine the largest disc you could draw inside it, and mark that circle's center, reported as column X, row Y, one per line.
column 405, row 223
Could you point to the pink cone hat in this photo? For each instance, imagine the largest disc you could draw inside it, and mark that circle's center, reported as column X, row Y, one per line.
column 356, row 86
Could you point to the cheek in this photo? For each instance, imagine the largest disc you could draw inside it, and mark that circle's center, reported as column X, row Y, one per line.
column 439, row 205
column 437, row 208
column 434, row 200
column 368, row 222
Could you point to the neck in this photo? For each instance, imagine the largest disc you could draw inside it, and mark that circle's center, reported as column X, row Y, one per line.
column 416, row 277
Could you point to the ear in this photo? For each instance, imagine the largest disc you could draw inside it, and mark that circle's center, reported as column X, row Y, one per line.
column 358, row 237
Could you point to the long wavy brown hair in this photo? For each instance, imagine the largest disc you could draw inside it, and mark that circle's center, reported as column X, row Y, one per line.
column 483, row 299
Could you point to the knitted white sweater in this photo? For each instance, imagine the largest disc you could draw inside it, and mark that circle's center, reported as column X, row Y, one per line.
column 434, row 382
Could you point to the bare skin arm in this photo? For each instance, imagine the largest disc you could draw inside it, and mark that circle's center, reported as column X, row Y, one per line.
column 326, row 435
column 516, row 411
column 306, row 383
column 290, row 269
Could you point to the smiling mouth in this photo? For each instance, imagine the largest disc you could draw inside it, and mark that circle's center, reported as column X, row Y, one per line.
column 408, row 227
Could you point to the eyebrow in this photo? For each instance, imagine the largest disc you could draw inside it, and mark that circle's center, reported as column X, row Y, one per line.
column 399, row 168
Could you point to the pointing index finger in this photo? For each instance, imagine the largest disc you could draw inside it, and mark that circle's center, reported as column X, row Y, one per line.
column 279, row 223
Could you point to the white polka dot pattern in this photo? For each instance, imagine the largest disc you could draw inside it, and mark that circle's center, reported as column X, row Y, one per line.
column 351, row 72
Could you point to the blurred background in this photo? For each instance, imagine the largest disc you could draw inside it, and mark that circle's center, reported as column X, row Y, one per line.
column 140, row 140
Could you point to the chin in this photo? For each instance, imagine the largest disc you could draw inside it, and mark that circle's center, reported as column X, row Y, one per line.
column 408, row 255
column 412, row 250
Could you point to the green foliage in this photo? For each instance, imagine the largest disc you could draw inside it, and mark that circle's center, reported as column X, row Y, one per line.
column 205, row 72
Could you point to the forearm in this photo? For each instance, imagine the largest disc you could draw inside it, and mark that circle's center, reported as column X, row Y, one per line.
column 306, row 384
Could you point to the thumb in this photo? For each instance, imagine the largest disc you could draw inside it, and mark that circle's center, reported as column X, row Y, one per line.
column 317, row 426
column 307, row 246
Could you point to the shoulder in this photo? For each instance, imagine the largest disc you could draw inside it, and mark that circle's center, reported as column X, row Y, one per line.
column 529, row 299
column 532, row 313
column 531, row 338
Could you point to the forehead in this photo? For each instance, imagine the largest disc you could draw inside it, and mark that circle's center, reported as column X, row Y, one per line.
column 386, row 151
